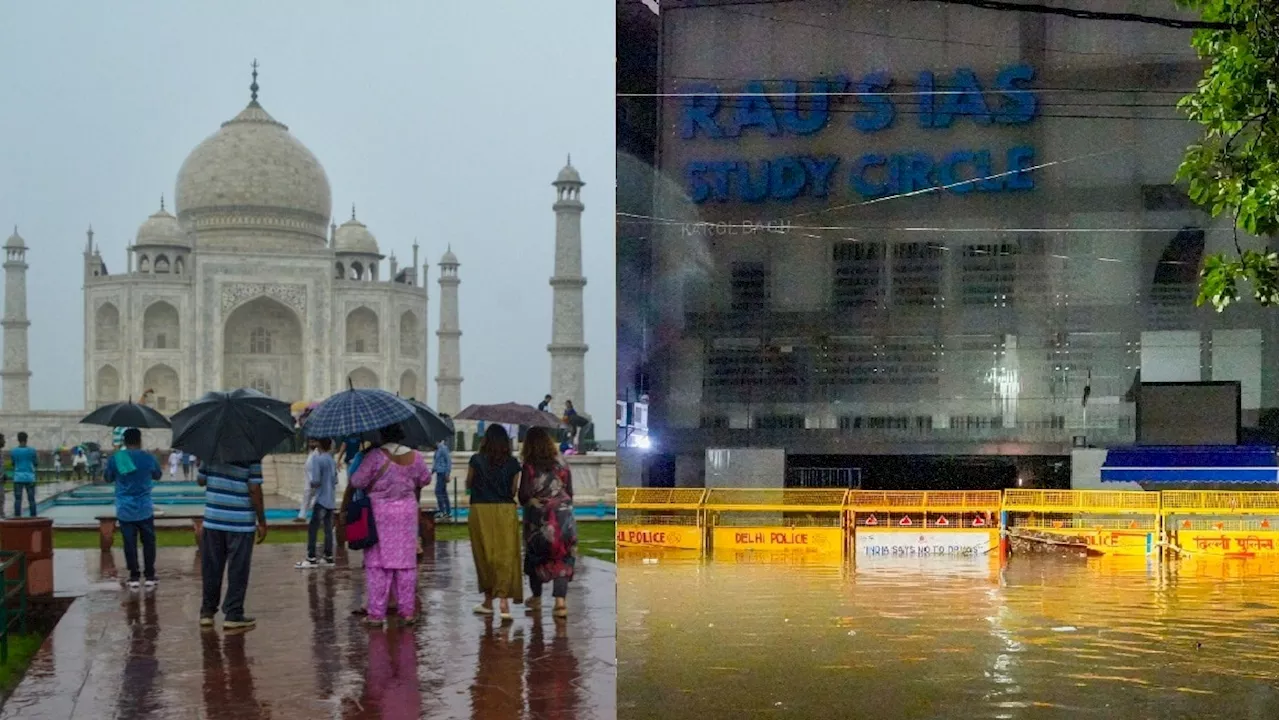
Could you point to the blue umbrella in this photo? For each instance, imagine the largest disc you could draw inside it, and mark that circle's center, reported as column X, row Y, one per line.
column 355, row 411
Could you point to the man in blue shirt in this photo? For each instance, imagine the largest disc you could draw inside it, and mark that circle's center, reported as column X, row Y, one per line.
column 323, row 481
column 442, row 466
column 133, row 470
column 233, row 511
column 24, row 475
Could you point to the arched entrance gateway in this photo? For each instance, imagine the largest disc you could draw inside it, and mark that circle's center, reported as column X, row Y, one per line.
column 262, row 349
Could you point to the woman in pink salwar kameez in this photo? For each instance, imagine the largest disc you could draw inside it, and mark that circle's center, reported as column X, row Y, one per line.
column 393, row 476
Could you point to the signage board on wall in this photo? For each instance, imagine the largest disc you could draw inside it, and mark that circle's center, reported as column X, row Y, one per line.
column 930, row 543
column 865, row 106
column 820, row 540
column 670, row 536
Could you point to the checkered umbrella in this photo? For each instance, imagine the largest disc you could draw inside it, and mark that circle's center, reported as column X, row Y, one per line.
column 355, row 411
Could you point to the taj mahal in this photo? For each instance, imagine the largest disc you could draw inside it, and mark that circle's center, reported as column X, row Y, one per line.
column 248, row 282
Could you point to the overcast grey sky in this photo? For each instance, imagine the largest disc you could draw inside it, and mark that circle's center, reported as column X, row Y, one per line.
column 441, row 120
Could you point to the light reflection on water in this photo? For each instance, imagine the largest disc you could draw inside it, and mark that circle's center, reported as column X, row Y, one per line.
column 1044, row 637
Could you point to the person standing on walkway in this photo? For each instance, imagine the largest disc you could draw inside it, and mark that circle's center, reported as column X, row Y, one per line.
column 393, row 476
column 323, row 490
column 233, row 511
column 95, row 464
column 186, row 466
column 175, row 457
column 57, row 464
column 24, row 462
column 550, row 533
column 492, row 478
column 308, row 473
column 133, row 470
column 442, row 468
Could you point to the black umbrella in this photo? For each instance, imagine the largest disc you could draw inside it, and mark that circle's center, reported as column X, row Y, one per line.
column 126, row 414
column 426, row 427
column 232, row 427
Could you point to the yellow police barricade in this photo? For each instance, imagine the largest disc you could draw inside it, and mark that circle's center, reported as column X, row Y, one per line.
column 1119, row 522
column 923, row 523
column 661, row 517
column 1222, row 522
column 766, row 525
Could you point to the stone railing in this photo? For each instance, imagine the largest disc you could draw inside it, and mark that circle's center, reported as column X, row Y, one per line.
column 595, row 477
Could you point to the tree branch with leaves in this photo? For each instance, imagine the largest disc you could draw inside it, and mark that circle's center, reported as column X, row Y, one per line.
column 1233, row 168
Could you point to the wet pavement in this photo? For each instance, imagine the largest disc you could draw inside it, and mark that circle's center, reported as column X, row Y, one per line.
column 1045, row 637
column 117, row 654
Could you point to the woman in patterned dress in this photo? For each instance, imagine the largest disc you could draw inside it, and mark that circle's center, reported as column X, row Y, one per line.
column 393, row 475
column 550, row 533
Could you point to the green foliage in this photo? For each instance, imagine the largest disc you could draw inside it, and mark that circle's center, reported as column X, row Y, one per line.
column 1233, row 168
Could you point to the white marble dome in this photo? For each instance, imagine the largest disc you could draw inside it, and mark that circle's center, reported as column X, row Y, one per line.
column 161, row 229
column 569, row 175
column 253, row 175
column 353, row 237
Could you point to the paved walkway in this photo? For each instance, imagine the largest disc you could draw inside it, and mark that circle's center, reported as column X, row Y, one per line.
column 117, row 654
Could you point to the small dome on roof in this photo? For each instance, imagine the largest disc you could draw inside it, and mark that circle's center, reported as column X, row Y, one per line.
column 568, row 175
column 449, row 258
column 15, row 240
column 353, row 237
column 161, row 229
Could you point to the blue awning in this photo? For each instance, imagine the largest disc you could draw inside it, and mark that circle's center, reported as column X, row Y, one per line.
column 1193, row 464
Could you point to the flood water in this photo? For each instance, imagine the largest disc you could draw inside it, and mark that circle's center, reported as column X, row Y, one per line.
column 1045, row 637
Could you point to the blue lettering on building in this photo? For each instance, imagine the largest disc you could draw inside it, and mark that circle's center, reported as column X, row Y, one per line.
column 866, row 105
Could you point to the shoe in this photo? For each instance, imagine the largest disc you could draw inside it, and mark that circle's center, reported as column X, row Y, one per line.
column 150, row 584
column 206, row 621
column 134, row 584
column 328, row 562
column 375, row 622
column 533, row 605
column 409, row 621
column 560, row 612
column 240, row 622
column 506, row 617
column 308, row 563
column 300, row 520
column 482, row 610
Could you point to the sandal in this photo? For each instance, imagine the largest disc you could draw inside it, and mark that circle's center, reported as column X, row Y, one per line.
column 360, row 612
column 561, row 612
column 409, row 621
column 482, row 610
column 373, row 622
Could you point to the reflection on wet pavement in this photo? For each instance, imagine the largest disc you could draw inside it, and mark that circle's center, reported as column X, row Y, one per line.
column 1044, row 638
column 123, row 655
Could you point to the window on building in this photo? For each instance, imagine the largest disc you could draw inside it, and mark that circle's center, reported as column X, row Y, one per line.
column 260, row 342
column 856, row 281
column 749, row 290
column 160, row 341
column 779, row 422
column 262, row 385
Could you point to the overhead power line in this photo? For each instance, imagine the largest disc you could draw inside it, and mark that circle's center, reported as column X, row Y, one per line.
column 1090, row 14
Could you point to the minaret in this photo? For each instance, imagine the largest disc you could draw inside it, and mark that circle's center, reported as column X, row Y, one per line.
column 16, row 373
column 449, row 379
column 567, row 349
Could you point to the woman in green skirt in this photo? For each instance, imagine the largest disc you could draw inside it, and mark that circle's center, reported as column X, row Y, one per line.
column 493, row 477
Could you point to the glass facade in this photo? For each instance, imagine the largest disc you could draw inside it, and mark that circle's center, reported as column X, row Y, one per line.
column 884, row 228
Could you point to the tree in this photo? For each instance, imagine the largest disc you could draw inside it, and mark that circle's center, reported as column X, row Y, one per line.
column 1233, row 168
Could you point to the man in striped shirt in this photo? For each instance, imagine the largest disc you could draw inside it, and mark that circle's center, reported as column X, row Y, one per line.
column 233, row 513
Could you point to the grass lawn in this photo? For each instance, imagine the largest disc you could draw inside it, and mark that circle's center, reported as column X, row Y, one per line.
column 21, row 649
column 595, row 537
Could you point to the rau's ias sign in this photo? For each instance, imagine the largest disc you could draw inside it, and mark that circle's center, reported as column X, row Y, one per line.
column 937, row 102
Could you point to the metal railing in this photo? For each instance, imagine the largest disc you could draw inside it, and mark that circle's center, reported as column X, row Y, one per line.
column 10, row 590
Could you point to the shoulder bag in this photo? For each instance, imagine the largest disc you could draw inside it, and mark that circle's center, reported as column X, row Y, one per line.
column 362, row 532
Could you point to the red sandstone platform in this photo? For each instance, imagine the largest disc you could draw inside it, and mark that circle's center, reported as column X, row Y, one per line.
column 117, row 654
